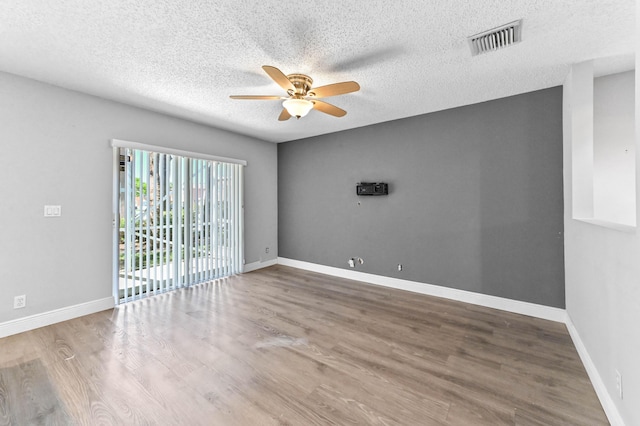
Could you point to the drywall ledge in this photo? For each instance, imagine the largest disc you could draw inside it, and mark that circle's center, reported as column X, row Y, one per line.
column 32, row 322
column 611, row 225
column 515, row 306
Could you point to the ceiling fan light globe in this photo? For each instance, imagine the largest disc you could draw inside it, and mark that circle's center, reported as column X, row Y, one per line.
column 298, row 107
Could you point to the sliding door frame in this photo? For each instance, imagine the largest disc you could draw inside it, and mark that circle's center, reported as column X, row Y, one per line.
column 191, row 157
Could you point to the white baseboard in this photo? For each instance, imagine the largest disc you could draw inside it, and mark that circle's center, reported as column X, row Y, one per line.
column 32, row 322
column 515, row 306
column 254, row 266
column 608, row 405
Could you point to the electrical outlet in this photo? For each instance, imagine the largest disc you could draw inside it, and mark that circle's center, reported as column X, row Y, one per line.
column 399, row 266
column 20, row 301
column 266, row 249
column 619, row 383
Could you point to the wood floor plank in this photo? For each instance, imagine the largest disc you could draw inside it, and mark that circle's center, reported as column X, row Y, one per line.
column 282, row 346
column 27, row 397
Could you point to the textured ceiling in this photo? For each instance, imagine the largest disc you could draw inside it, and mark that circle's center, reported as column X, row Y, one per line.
column 185, row 58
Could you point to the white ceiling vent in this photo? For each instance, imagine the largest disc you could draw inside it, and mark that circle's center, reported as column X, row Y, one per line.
column 497, row 38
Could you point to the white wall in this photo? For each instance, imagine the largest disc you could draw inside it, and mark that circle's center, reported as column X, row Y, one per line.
column 578, row 89
column 54, row 149
column 602, row 281
column 614, row 154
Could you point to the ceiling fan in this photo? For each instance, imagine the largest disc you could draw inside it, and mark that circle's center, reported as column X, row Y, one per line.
column 301, row 96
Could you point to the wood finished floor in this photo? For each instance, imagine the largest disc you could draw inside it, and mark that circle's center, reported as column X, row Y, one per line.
column 286, row 346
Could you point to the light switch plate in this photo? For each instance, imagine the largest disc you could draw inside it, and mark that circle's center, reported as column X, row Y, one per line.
column 52, row 211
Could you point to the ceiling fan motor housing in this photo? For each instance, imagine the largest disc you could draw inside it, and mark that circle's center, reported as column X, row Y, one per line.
column 301, row 82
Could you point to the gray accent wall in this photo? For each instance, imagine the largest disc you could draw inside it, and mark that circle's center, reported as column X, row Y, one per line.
column 475, row 198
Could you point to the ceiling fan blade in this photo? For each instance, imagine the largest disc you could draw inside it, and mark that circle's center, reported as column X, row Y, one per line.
column 284, row 115
column 279, row 77
column 334, row 89
column 328, row 108
column 259, row 97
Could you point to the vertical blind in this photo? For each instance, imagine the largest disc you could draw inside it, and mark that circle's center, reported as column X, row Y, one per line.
column 180, row 221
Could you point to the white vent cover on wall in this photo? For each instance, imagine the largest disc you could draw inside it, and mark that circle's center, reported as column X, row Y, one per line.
column 497, row 38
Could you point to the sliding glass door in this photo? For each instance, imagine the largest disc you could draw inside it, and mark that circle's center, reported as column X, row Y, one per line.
column 180, row 221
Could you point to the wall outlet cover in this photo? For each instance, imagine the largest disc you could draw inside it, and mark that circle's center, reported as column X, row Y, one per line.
column 19, row 302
